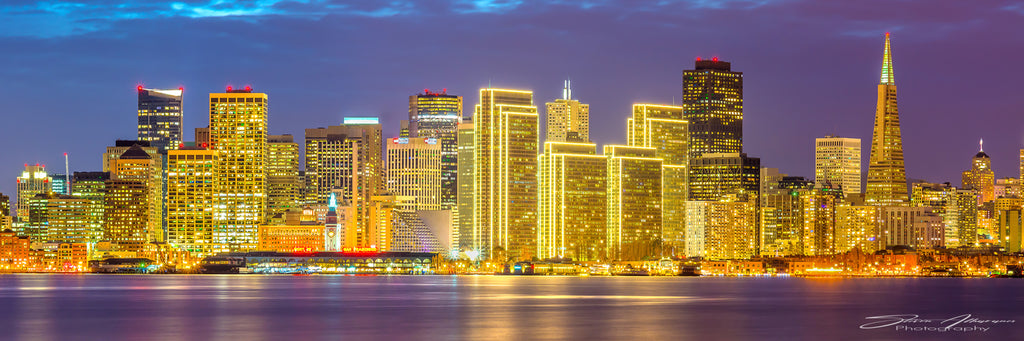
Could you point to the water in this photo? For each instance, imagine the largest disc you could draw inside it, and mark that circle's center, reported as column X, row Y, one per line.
column 240, row 307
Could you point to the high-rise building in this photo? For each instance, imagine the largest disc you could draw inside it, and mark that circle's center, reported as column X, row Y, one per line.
column 1008, row 187
column 819, row 220
column 568, row 119
column 347, row 158
column 966, row 205
column 1007, row 213
column 713, row 103
column 857, row 227
column 505, row 172
column 5, row 212
column 471, row 239
column 837, row 162
column 663, row 128
column 160, row 117
column 238, row 133
column 203, row 137
column 721, row 229
column 283, row 186
column 191, row 193
column 715, row 176
column 414, row 170
column 942, row 199
column 121, row 146
column 136, row 165
column 438, row 115
column 60, row 184
column 782, row 217
column 917, row 227
column 887, row 177
column 572, row 206
column 980, row 177
column 634, row 202
column 127, row 213
column 60, row 218
column 32, row 181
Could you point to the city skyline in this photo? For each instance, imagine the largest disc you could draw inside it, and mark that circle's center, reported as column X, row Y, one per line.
column 836, row 74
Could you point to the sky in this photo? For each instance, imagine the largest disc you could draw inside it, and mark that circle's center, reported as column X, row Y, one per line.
column 70, row 68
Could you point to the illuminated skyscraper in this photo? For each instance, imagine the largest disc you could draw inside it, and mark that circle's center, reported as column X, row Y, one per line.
column 136, row 165
column 887, row 178
column 5, row 212
column 917, row 227
column 59, row 184
column 980, row 177
column 347, row 157
column 283, row 185
column 942, row 199
column 438, row 115
column 837, row 162
column 126, row 214
column 160, row 117
column 32, row 181
column 238, row 133
column 663, row 128
column 505, row 172
column 470, row 238
column 857, row 227
column 568, row 119
column 634, row 202
column 721, row 229
column 713, row 103
column 715, row 176
column 782, row 213
column 121, row 146
column 60, row 218
column 572, row 203
column 414, row 170
column 191, row 191
column 819, row 220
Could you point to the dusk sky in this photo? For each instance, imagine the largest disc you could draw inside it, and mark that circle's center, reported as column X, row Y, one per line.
column 810, row 67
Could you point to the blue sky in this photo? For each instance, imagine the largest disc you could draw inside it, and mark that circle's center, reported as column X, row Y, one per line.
column 71, row 67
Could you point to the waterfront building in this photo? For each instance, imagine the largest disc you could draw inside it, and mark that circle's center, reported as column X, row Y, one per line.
column 160, row 117
column 438, row 115
column 663, row 128
column 917, row 227
column 471, row 239
column 33, row 181
column 238, row 133
column 857, row 228
column 721, row 229
column 347, row 158
column 980, row 177
column 14, row 251
column 283, row 185
column 837, row 162
column 505, row 172
column 713, row 102
column 573, row 202
column 568, row 120
column 292, row 238
column 191, row 193
column 887, row 177
column 634, row 202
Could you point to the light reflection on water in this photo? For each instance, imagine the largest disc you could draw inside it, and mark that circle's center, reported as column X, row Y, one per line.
column 233, row 307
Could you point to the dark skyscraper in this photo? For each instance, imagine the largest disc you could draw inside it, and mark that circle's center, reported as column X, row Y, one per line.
column 713, row 104
column 437, row 115
column 160, row 117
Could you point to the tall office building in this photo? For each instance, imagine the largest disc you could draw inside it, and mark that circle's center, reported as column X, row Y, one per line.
column 568, row 119
column 61, row 218
column 238, row 133
column 191, row 193
column 347, row 158
column 887, row 178
column 120, row 146
column 713, row 102
column 663, row 128
column 715, row 176
column 283, row 185
column 33, row 181
column 837, row 162
column 90, row 185
column 917, row 227
column 438, row 115
column 414, row 170
column 857, row 227
column 721, row 229
column 819, row 220
column 573, row 202
column 942, row 199
column 505, row 172
column 966, row 204
column 980, row 177
column 160, row 117
column 471, row 239
column 126, row 213
column 782, row 213
column 60, row 184
column 634, row 202
column 136, row 165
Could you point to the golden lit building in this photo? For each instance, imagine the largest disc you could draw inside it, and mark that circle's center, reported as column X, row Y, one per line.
column 716, row 176
column 917, row 227
column 414, row 170
column 887, row 177
column 634, row 202
column 5, row 212
column 572, row 206
column 191, row 191
column 980, row 177
column 470, row 238
column 14, row 251
column 292, row 238
column 857, row 227
column 59, row 218
column 283, row 185
column 33, row 181
column 126, row 214
column 819, row 220
column 837, row 162
column 942, row 199
column 506, row 128
column 136, row 165
column 568, row 119
column 781, row 213
column 347, row 158
column 438, row 115
column 721, row 229
column 663, row 128
column 238, row 133
column 967, row 225
column 713, row 99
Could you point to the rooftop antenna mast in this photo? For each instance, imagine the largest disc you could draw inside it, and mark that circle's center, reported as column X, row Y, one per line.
column 67, row 175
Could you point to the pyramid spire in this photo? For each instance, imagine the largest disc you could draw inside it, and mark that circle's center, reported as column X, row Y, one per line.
column 887, row 76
